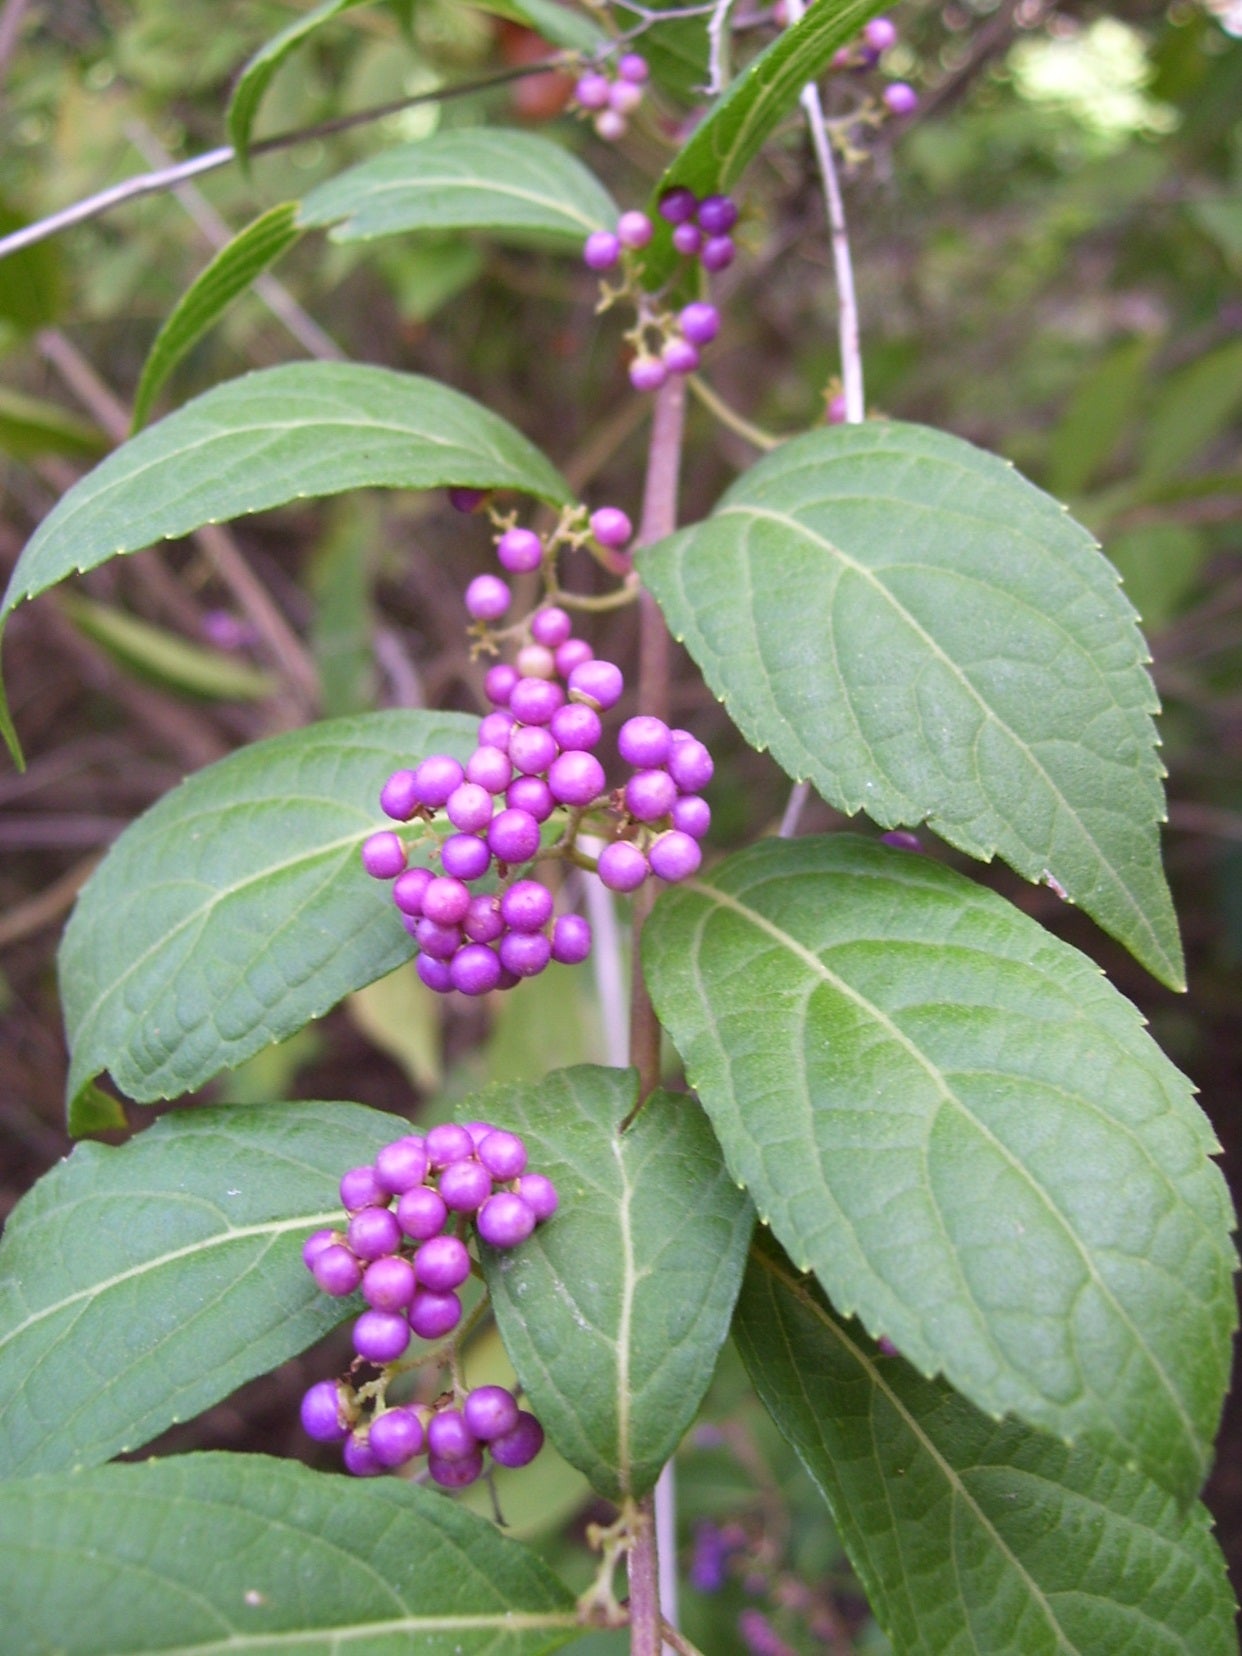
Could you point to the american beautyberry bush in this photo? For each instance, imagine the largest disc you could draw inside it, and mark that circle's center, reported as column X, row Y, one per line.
column 875, row 1150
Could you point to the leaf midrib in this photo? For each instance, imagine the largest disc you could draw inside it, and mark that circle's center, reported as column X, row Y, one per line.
column 372, row 192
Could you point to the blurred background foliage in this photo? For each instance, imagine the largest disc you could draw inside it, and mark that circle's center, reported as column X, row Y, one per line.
column 1049, row 260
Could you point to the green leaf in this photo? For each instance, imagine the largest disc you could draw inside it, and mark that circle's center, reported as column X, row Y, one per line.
column 217, row 1554
column 971, row 1535
column 30, row 427
column 614, row 1311
column 236, row 909
column 1197, row 405
column 904, row 620
column 517, row 186
column 167, row 657
column 960, row 1126
column 228, row 275
column 755, row 103
column 140, row 1285
column 256, row 77
column 1102, row 406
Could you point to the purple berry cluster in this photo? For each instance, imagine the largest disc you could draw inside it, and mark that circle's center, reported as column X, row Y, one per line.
column 864, row 54
column 405, row 1246
column 610, row 99
column 665, row 814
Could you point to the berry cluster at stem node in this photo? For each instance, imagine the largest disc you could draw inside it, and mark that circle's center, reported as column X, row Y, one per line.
column 610, row 94
column 409, row 1218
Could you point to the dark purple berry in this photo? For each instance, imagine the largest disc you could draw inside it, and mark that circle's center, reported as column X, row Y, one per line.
column 434, row 973
column 421, row 1213
column 374, row 1232
column 448, row 1141
column 717, row 253
column 383, row 855
column 489, row 1412
column 534, row 701
column 434, row 1315
column 456, row 1474
column 692, row 814
column 464, row 1185
column 436, row 778
column 539, row 1194
column 644, row 741
column 611, row 527
column 436, row 941
column 407, row 892
column 520, row 551
column 336, row 1271
column 323, row 1414
column 571, row 939
column 399, row 796
column 519, row 1446
column 700, row 322
column 576, row 727
column 396, row 1436
column 442, row 1262
column 576, row 778
column 388, row 1284
column 359, row 1459
column 487, row 598
column 483, row 923
column 526, row 906
column 674, row 856
column 502, row 1154
column 532, row 795
column 678, row 205
column 360, row 1188
column 505, row 1220
column 475, row 969
column 717, row 215
column 903, row 839
column 550, row 626
column 381, row 1336
column 525, row 953
column 597, row 683
column 601, row 250
column 649, row 795
column 690, row 765
column 488, row 768
column 513, row 836
column 464, row 856
column 448, row 1436
column 687, row 239
column 622, row 866
column 446, row 899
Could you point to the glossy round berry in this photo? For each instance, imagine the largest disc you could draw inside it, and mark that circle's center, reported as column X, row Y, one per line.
column 434, row 1315
column 687, row 239
column 402, row 1165
column 903, row 839
column 505, row 1220
column 532, row 749
column 539, row 1194
column 601, row 250
column 336, row 1271
column 464, row 856
column 525, row 954
column 323, row 1415
column 632, row 67
column 675, row 856
column 374, row 1232
column 495, row 730
column 383, row 855
column 611, row 124
column 532, row 795
column 550, row 626
column 679, row 356
column 502, row 1154
column 611, row 527
column 647, row 373
column 488, row 768
column 381, row 1336
column 571, row 939
column 572, row 653
column 597, row 683
column 436, row 778
column 519, row 1446
column 645, row 741
column 498, row 682
column 475, row 969
column 456, row 1474
column 513, row 836
column 717, row 253
column 487, row 598
column 396, row 1436
column 489, row 1412
column 388, row 1284
column 690, row 765
column 437, row 942
column 434, row 973
column 536, row 661
column 315, row 1244
column 576, row 778
column 446, row 899
column 399, row 796
column 634, row 229
column 478, row 1131
column 421, row 1213
column 649, row 795
column 469, row 808
column 443, row 1263
column 534, row 701
column 717, row 215
column 880, row 34
column 591, row 91
column 360, row 1188
column 527, row 905
column 447, row 1142
column 678, row 205
column 692, row 814
column 576, row 727
column 699, row 322
column 466, row 500
column 520, row 551
column 408, row 889
column 622, row 866
column 448, row 1436
column 900, row 99
column 624, row 97
column 483, row 923
column 359, row 1460
column 464, row 1185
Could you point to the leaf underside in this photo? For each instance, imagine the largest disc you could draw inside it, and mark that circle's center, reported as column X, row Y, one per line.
column 965, row 1132
column 906, row 622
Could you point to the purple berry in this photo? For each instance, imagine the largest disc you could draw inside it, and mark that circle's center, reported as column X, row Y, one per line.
column 449, row 1438
column 572, row 653
column 571, row 939
column 396, row 1436
column 475, row 969
column 622, row 866
column 649, row 795
column 336, row 1271
column 900, row 99
column 576, row 778
column 359, row 1459
column 531, row 795
column 464, row 1185
column 360, row 1188
column 388, row 1284
column 903, row 839
column 437, row 942
column 323, row 1417
column 624, row 97
column 421, row 1213
column 527, row 905
column 447, row 1142
column 499, row 682
column 464, row 856
column 539, row 1194
column 550, row 626
column 576, row 727
column 880, row 34
column 436, row 778
column 489, row 1412
column 675, row 856
column 690, row 765
column 482, row 923
column 446, row 900
column 456, row 1474
column 402, row 1165
column 534, row 701
column 487, row 598
column 611, row 124
column 519, row 1446
column 700, row 322
column 692, row 814
column 407, row 892
column 717, row 253
column 532, row 749
column 520, row 551
column 591, row 91
column 679, row 356
column 381, row 1336
column 634, row 229
column 399, row 796
column 717, row 215
column 443, row 1263
column 383, row 855
column 374, row 1232
column 525, row 954
column 647, row 373
column 601, row 250
column 678, row 205
column 836, row 410
column 513, row 836
column 469, row 807
column 645, row 741
column 434, row 973
column 316, row 1243
column 495, row 731
column 502, row 1154
column 489, row 768
column 611, row 527
column 505, row 1220
column 687, row 239
column 433, row 1315
column 597, row 683
column 466, row 500
column 632, row 67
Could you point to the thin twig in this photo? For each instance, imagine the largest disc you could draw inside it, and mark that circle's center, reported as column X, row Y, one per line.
column 741, row 427
column 679, row 1642
column 718, row 48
